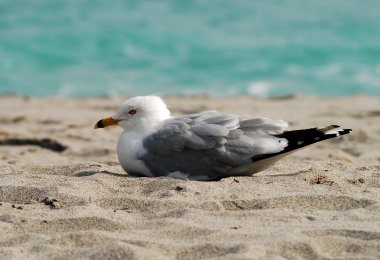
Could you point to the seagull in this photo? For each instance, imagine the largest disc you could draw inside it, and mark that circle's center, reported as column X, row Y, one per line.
column 203, row 146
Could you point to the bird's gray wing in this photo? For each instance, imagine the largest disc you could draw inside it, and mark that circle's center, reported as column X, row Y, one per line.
column 208, row 145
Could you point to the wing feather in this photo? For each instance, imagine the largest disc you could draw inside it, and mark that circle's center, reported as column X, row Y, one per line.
column 210, row 143
column 210, row 130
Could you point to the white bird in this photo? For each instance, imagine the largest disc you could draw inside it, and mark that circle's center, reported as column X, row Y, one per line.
column 203, row 146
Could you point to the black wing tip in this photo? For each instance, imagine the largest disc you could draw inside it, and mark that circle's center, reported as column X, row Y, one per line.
column 300, row 138
column 326, row 129
column 344, row 131
column 332, row 130
column 339, row 132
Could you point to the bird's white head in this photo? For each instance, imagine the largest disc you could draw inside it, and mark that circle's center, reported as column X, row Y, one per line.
column 138, row 114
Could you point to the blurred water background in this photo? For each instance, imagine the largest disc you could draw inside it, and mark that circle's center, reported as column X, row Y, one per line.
column 264, row 48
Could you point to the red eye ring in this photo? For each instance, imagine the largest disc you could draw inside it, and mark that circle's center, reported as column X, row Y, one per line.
column 132, row 111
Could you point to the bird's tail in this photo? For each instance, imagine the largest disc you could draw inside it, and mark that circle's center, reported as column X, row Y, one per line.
column 300, row 138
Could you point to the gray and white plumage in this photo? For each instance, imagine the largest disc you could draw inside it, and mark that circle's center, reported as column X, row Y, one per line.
column 202, row 146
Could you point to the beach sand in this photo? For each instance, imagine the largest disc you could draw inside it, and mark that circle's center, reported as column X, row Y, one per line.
column 64, row 196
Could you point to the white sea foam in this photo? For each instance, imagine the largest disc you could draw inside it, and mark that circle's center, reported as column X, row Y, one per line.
column 66, row 90
column 366, row 78
column 260, row 88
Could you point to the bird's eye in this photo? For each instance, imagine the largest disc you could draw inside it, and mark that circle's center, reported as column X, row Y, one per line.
column 132, row 111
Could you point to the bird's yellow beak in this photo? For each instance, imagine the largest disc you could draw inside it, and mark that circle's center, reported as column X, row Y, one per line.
column 106, row 122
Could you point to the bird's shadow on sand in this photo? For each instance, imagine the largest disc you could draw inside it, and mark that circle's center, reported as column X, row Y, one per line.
column 286, row 174
column 128, row 175
column 90, row 173
column 121, row 175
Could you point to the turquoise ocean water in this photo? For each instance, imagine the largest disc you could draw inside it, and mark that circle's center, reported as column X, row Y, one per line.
column 265, row 48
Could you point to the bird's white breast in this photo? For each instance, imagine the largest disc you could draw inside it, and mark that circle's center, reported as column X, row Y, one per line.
column 129, row 148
